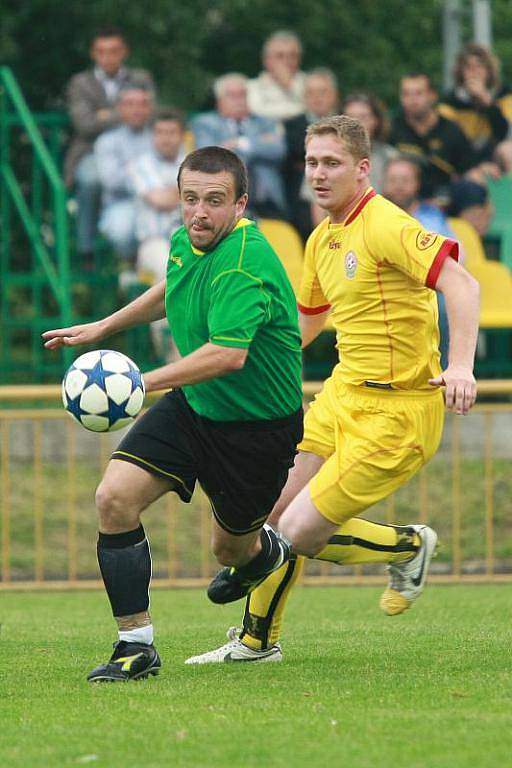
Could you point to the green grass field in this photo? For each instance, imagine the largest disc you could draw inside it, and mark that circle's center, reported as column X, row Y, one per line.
column 429, row 689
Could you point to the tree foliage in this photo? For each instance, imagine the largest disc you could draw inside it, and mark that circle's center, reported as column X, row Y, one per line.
column 368, row 44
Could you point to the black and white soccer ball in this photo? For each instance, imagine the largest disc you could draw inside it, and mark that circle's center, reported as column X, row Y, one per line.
column 103, row 390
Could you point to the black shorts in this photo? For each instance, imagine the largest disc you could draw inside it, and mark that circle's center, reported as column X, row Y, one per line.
column 241, row 465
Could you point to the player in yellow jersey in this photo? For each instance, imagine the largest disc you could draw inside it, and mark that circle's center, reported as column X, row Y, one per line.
column 379, row 417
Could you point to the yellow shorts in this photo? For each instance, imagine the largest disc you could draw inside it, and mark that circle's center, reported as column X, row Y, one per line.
column 373, row 440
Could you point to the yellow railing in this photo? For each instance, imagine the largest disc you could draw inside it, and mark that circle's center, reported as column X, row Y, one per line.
column 50, row 466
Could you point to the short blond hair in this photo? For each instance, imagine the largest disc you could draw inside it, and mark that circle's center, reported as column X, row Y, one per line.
column 347, row 129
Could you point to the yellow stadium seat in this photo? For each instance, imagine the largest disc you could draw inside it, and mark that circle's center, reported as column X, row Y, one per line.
column 472, row 248
column 286, row 242
column 495, row 294
column 188, row 141
column 495, row 279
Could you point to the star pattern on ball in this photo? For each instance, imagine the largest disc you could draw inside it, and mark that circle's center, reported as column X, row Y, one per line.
column 74, row 407
column 89, row 391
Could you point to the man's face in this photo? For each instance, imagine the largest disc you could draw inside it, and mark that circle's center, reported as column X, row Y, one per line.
column 334, row 174
column 209, row 206
column 282, row 54
column 232, row 102
column 108, row 53
column 475, row 69
column 364, row 113
column 168, row 137
column 134, row 108
column 401, row 184
column 416, row 96
column 320, row 96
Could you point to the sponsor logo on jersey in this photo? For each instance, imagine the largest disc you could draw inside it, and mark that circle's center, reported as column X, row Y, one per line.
column 350, row 264
column 425, row 240
column 176, row 260
column 334, row 244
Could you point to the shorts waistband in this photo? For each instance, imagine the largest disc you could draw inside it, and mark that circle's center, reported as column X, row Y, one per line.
column 384, row 391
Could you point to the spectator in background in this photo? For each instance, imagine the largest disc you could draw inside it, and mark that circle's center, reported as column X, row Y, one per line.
column 258, row 141
column 321, row 99
column 479, row 103
column 471, row 202
column 402, row 184
column 278, row 91
column 157, row 209
column 114, row 152
column 91, row 99
column 435, row 142
column 154, row 178
column 372, row 114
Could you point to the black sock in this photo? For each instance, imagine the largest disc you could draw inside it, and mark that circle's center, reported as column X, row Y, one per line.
column 125, row 565
column 274, row 550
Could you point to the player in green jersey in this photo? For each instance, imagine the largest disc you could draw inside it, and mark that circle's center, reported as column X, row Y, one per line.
column 233, row 415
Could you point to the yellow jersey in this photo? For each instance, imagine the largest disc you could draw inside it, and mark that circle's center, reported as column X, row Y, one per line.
column 377, row 272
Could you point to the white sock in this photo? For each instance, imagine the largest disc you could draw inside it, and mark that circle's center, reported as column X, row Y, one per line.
column 139, row 635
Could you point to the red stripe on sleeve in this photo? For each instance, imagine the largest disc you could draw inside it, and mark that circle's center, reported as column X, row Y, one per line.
column 313, row 310
column 448, row 248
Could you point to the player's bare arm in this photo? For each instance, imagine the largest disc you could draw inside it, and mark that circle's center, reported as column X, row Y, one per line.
column 144, row 309
column 311, row 326
column 207, row 362
column 462, row 294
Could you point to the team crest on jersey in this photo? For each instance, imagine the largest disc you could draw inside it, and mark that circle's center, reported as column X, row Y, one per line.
column 177, row 260
column 425, row 240
column 350, row 264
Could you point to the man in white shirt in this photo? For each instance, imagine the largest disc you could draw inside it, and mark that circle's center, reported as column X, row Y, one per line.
column 114, row 151
column 154, row 177
column 278, row 91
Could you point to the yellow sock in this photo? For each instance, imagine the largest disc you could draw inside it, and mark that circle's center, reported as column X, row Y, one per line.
column 356, row 541
column 361, row 541
column 265, row 606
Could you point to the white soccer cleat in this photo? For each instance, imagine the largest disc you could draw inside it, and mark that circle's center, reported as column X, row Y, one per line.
column 406, row 580
column 234, row 651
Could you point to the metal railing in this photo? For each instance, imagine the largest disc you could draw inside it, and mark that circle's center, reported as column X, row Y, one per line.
column 50, row 466
column 36, row 200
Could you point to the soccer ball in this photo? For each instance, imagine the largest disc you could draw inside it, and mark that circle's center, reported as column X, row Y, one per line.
column 103, row 390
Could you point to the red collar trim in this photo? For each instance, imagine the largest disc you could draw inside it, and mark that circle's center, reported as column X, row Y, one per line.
column 355, row 213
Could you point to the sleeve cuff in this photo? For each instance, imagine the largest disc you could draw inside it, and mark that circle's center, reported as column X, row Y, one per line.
column 313, row 310
column 230, row 341
column 448, row 248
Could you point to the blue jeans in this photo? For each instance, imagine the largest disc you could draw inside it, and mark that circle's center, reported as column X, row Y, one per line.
column 88, row 195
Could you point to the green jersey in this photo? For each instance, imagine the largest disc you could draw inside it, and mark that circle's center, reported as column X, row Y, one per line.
column 237, row 295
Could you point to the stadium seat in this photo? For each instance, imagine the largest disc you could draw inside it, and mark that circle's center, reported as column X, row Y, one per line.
column 495, row 294
column 495, row 279
column 286, row 242
column 470, row 241
column 500, row 191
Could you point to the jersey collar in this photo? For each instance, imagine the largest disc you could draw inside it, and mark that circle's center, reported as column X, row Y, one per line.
column 240, row 223
column 354, row 213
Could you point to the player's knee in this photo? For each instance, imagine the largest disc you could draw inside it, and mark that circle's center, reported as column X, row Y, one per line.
column 114, row 510
column 304, row 541
column 227, row 554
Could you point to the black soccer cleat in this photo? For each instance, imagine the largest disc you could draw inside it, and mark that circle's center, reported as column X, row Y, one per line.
column 232, row 583
column 130, row 661
column 228, row 585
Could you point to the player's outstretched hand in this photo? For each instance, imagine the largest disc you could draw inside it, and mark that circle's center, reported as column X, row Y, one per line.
column 460, row 386
column 89, row 333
